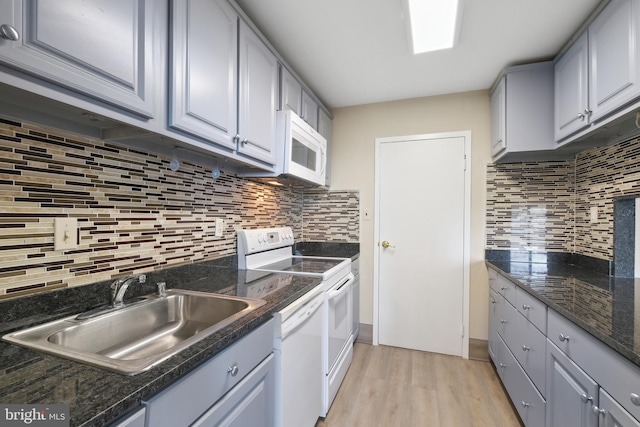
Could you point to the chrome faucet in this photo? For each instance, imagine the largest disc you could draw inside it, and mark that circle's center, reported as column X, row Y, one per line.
column 119, row 287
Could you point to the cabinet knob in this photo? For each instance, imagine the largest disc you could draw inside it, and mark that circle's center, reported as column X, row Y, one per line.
column 233, row 370
column 584, row 398
column 503, row 321
column 526, row 348
column 493, row 301
column 526, row 307
column 598, row 411
column 581, row 116
column 635, row 399
column 503, row 288
column 525, row 404
column 7, row 32
column 236, row 138
column 502, row 365
column 245, row 141
column 563, row 338
column 587, row 112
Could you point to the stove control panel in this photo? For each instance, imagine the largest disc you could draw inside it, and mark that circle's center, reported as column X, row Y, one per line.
column 263, row 239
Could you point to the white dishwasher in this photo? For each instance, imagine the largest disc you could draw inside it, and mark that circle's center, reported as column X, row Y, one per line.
column 298, row 355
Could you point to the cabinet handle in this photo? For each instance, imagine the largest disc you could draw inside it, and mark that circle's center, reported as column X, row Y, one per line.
column 525, row 404
column 584, row 398
column 635, row 399
column 526, row 348
column 7, row 32
column 563, row 338
column 526, row 307
column 233, row 370
column 598, row 411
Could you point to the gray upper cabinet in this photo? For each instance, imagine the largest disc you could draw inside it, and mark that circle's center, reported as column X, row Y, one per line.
column 258, row 97
column 101, row 49
column 325, row 128
column 296, row 99
column 571, row 90
column 291, row 93
column 522, row 113
column 309, row 110
column 498, row 118
column 600, row 73
column 204, row 56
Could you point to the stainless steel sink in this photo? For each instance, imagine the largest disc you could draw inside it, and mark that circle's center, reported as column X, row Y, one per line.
column 135, row 338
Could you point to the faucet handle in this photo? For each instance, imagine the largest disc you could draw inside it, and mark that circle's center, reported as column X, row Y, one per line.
column 161, row 289
column 142, row 278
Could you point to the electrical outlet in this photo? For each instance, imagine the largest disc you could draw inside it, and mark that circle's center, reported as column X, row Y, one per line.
column 219, row 227
column 65, row 233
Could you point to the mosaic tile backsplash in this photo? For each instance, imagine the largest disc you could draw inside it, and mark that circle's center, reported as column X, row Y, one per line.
column 134, row 213
column 546, row 206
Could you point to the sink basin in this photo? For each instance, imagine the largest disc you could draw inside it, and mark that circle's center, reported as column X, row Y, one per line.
column 136, row 337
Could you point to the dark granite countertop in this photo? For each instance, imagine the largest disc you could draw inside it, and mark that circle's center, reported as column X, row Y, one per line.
column 96, row 396
column 607, row 307
column 328, row 249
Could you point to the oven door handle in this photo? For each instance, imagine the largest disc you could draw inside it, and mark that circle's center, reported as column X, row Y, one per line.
column 342, row 289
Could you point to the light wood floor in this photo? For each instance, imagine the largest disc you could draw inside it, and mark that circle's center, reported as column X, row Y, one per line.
column 388, row 386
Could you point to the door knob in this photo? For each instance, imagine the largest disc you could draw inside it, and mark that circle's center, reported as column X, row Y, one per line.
column 386, row 244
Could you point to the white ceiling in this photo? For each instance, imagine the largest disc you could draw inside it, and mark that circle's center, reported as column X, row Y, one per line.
column 353, row 52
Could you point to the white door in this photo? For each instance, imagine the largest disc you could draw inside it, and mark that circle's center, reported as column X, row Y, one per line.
column 422, row 210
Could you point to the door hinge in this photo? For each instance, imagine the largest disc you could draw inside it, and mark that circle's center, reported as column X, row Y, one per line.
column 465, row 162
column 462, row 330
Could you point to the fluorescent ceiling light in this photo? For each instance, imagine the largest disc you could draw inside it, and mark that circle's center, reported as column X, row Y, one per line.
column 433, row 24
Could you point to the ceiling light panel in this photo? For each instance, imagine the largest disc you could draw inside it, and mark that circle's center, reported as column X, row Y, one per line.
column 433, row 24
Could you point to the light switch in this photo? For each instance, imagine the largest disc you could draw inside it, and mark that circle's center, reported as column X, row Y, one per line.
column 219, row 227
column 65, row 234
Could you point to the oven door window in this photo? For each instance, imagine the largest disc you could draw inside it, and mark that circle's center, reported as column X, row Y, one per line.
column 340, row 318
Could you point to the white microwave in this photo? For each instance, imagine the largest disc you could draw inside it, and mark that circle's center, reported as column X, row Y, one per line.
column 304, row 149
column 301, row 154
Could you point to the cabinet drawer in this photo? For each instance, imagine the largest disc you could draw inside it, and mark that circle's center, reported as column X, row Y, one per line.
column 534, row 310
column 495, row 312
column 614, row 373
column 524, row 395
column 527, row 344
column 183, row 402
column 505, row 287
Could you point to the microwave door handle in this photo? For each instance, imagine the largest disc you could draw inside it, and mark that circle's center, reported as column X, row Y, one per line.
column 323, row 156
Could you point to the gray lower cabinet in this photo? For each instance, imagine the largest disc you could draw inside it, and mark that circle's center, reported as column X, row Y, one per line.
column 585, row 383
column 134, row 420
column 234, row 388
column 102, row 49
column 571, row 393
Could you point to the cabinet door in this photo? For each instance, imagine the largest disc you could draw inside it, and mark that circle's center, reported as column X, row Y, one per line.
column 571, row 89
column 291, row 93
column 250, row 403
column 498, row 118
column 258, row 97
column 204, row 40
column 309, row 110
column 325, row 128
column 612, row 414
column 571, row 393
column 614, row 41
column 99, row 48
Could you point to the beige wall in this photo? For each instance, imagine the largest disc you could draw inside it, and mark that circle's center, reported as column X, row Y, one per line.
column 354, row 132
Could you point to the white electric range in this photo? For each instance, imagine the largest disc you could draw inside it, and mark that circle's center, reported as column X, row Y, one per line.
column 271, row 250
